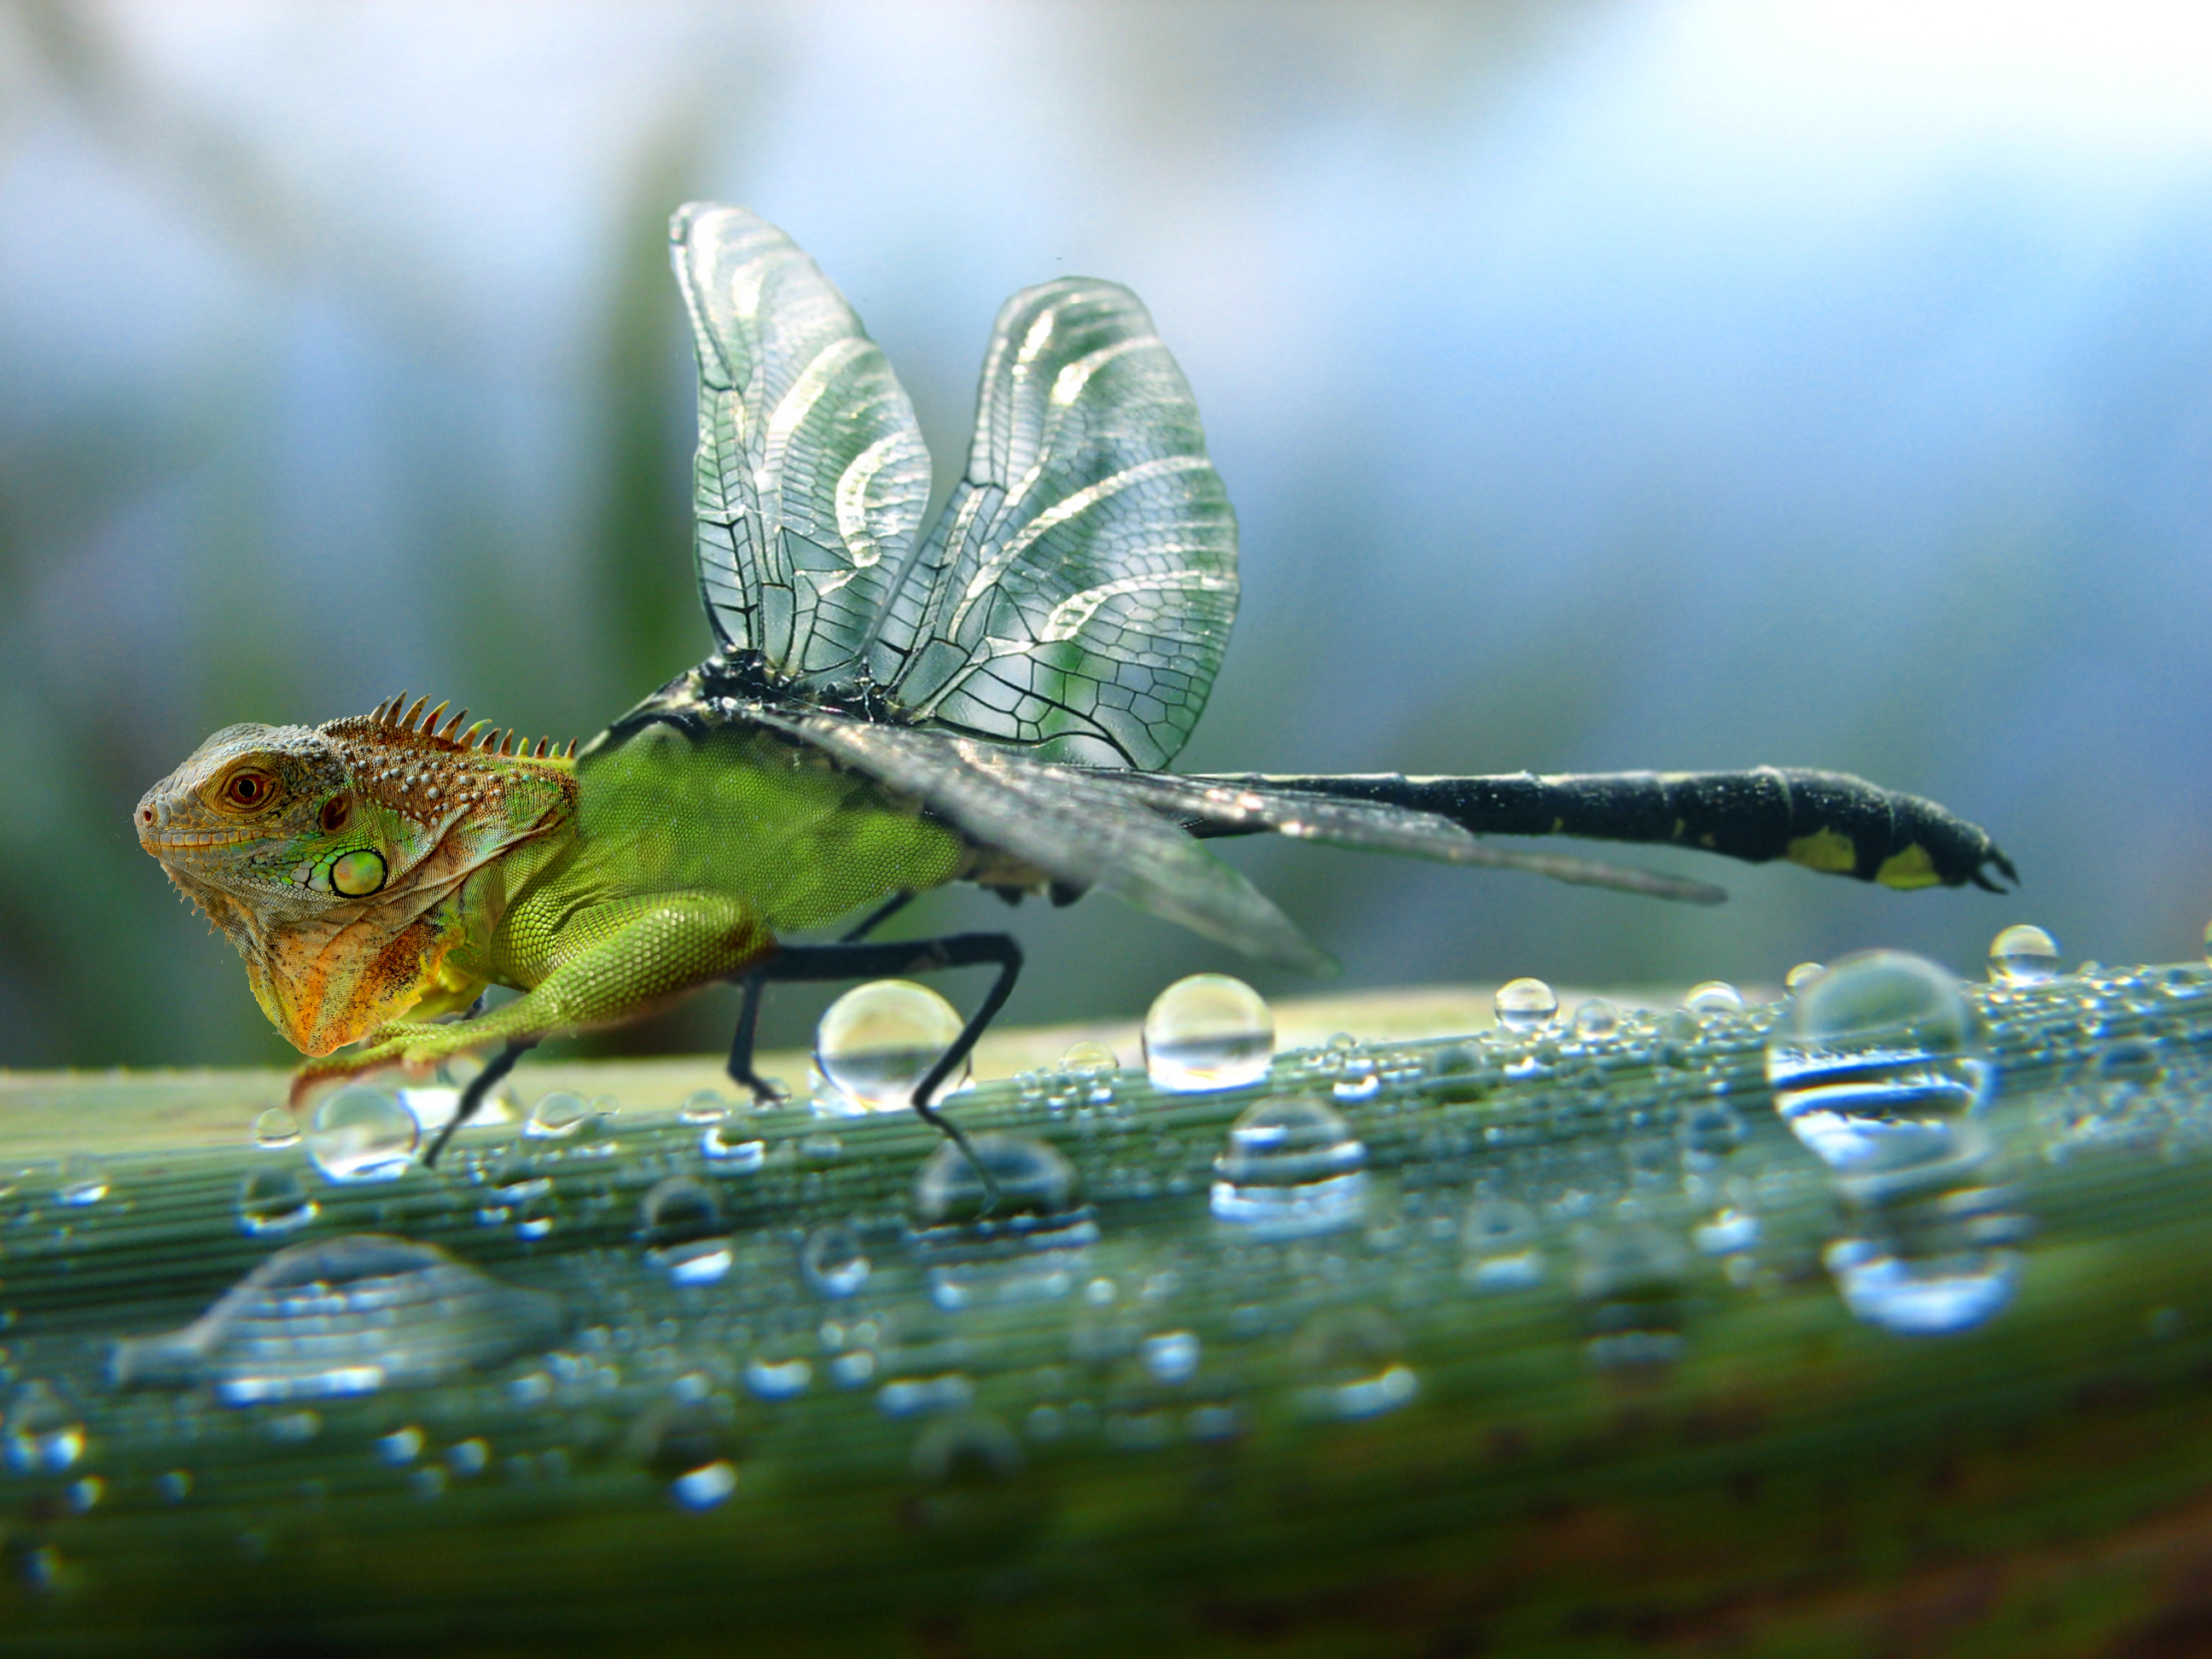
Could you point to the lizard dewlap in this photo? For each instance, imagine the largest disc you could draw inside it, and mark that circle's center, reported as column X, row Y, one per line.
column 888, row 708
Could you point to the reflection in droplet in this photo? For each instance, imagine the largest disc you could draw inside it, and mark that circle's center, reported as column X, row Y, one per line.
column 1526, row 1005
column 344, row 1316
column 362, row 1133
column 1089, row 1060
column 2023, row 954
column 733, row 1147
column 1292, row 1167
column 879, row 1040
column 1209, row 1032
column 1715, row 996
column 276, row 1128
column 274, row 1202
column 1879, row 1065
column 1802, row 975
column 835, row 1260
column 1030, row 1245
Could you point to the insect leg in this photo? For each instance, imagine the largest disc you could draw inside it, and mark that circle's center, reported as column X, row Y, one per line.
column 472, row 1098
column 741, row 1067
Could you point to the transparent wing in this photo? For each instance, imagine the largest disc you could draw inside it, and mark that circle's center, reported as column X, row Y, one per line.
column 1076, row 594
column 1379, row 827
column 1071, row 823
column 812, row 477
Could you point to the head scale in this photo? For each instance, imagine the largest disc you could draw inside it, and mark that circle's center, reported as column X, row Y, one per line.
column 328, row 855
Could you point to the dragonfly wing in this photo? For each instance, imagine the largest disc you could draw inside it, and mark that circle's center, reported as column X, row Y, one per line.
column 811, row 477
column 1077, row 593
column 1069, row 821
column 1380, row 827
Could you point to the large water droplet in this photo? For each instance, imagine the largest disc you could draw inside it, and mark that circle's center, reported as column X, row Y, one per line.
column 1292, row 1167
column 274, row 1202
column 557, row 1115
column 1526, row 1005
column 1714, row 996
column 276, row 1128
column 1031, row 1179
column 1209, row 1032
column 835, row 1260
column 362, row 1133
column 342, row 1316
column 1879, row 1065
column 2023, row 954
column 879, row 1040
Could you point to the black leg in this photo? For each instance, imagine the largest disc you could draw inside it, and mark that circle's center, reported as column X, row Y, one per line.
column 741, row 1067
column 853, row 959
column 472, row 1098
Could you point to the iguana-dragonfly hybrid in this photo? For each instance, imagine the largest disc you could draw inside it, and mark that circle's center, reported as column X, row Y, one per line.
column 886, row 712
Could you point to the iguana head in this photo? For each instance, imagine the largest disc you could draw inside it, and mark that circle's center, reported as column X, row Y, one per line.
column 327, row 854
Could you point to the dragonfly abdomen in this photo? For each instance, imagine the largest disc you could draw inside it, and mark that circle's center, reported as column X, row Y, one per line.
column 1826, row 820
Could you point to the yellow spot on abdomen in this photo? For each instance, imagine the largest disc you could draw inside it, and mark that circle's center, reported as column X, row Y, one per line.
column 1911, row 868
column 1826, row 849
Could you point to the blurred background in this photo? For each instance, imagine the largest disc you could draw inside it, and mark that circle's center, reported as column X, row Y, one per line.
column 1599, row 385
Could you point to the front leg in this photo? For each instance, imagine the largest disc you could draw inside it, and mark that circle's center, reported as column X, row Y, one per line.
column 613, row 962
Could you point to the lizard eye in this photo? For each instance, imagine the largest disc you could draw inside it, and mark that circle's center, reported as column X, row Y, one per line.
column 249, row 790
column 338, row 812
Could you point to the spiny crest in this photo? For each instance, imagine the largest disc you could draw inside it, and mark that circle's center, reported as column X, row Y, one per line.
column 434, row 728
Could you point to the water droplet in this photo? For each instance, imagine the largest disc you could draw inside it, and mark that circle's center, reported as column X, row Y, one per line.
column 1292, row 1167
column 835, row 1260
column 2023, row 955
column 1089, row 1060
column 704, row 1487
column 678, row 1211
column 1526, row 1005
column 1353, row 1358
column 703, row 1261
column 466, row 1458
column 1032, row 1180
column 702, row 1106
column 2125, row 1069
column 969, row 1451
column 1715, row 996
column 1631, row 1279
column 400, row 1447
column 1711, row 1129
column 1357, row 1081
column 1802, row 975
column 1500, row 1238
column 1209, row 1032
column 83, row 1180
column 275, row 1128
column 1879, row 1065
column 778, row 1379
column 878, row 1041
column 1597, row 1018
column 344, row 1316
column 557, row 1115
column 1729, row 1232
column 1170, row 1357
column 362, row 1133
column 909, row 1396
column 1922, row 1296
column 733, row 1148
column 42, row 1434
column 274, row 1202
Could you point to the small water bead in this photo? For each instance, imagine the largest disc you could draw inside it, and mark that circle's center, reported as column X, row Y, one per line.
column 42, row 1435
column 1292, row 1167
column 679, row 1211
column 362, row 1133
column 1728, row 1231
column 1879, row 1065
column 1631, row 1278
column 879, row 1041
column 557, row 1115
column 1714, row 996
column 1802, row 975
column 1358, row 1080
column 274, row 1202
column 1526, row 1005
column 701, row 1107
column 1170, row 1357
column 1500, row 1238
column 1597, row 1018
column 704, row 1487
column 1933, row 1295
column 342, row 1316
column 275, row 1128
column 1710, row 1129
column 1032, row 1178
column 835, row 1260
column 1354, row 1356
column 1089, row 1060
column 1209, row 1032
column 2023, row 954
column 83, row 1180
column 733, row 1147
column 771, row 1379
